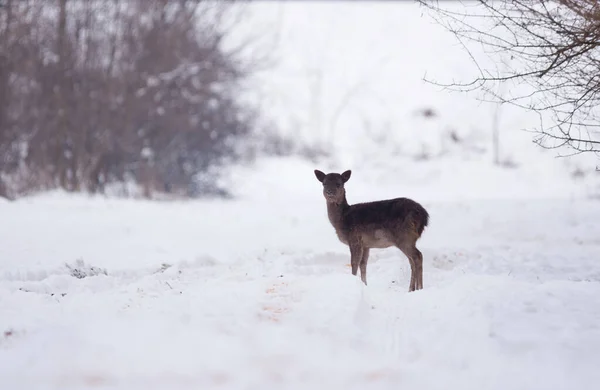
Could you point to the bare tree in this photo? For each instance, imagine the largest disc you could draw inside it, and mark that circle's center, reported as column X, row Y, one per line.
column 100, row 92
column 554, row 47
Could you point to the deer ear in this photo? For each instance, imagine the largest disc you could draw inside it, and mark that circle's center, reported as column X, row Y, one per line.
column 320, row 175
column 346, row 175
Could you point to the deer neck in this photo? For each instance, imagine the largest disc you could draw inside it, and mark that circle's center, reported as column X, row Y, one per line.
column 335, row 212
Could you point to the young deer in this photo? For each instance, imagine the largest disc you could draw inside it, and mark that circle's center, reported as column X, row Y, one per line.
column 395, row 222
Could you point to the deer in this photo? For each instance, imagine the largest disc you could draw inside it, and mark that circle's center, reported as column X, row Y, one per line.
column 395, row 222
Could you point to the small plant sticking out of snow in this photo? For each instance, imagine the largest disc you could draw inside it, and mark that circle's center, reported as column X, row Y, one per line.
column 163, row 268
column 81, row 270
column 427, row 112
column 8, row 335
column 508, row 163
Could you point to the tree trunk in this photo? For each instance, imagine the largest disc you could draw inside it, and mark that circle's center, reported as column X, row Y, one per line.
column 61, row 159
column 5, row 70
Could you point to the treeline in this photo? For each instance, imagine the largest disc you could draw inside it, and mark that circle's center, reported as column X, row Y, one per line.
column 119, row 91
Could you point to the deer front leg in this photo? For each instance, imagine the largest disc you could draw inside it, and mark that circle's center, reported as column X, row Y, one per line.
column 363, row 265
column 356, row 252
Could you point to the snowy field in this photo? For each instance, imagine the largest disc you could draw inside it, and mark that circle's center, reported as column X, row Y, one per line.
column 256, row 292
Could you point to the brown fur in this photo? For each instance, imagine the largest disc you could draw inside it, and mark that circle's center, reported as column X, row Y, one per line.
column 395, row 222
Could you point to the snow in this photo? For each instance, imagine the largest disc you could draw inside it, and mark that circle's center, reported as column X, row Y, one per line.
column 256, row 291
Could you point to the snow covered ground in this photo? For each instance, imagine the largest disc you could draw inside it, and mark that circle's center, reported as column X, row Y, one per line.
column 256, row 292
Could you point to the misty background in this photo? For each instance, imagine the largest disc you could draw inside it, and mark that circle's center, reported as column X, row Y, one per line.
column 158, row 98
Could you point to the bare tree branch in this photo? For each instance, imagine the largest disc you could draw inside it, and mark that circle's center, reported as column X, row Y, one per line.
column 557, row 48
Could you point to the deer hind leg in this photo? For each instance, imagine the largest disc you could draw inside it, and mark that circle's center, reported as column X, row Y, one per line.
column 363, row 265
column 418, row 259
column 416, row 268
